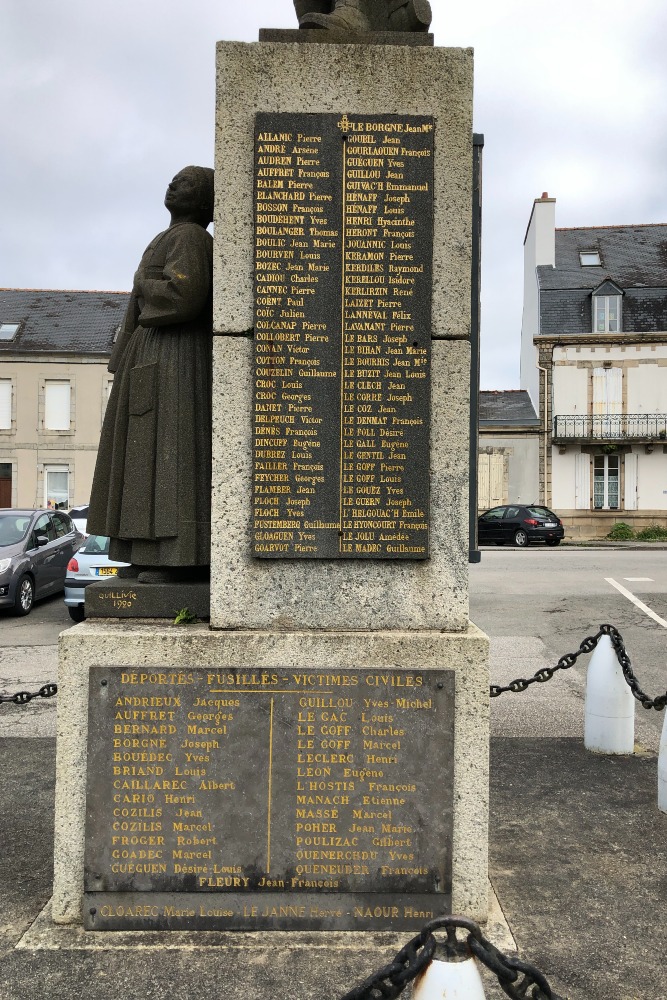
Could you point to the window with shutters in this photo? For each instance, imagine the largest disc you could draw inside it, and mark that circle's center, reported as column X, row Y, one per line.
column 57, row 405
column 6, row 403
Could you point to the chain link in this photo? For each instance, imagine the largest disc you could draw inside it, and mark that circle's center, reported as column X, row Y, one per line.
column 23, row 697
column 516, row 978
column 569, row 660
column 546, row 673
column 621, row 653
column 391, row 980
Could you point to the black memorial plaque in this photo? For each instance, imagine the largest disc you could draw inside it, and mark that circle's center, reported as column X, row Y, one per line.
column 285, row 798
column 343, row 280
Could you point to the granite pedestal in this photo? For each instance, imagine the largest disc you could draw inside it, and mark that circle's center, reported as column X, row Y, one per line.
column 347, row 614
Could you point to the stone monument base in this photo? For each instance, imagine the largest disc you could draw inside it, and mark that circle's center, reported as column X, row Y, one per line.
column 104, row 643
column 121, row 598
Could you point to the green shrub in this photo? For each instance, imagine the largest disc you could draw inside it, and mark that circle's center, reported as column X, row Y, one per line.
column 621, row 532
column 654, row 533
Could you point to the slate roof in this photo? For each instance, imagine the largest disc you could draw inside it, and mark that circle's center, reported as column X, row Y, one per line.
column 505, row 407
column 61, row 322
column 634, row 257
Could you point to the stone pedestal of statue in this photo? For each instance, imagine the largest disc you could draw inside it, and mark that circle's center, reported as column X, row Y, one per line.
column 349, row 614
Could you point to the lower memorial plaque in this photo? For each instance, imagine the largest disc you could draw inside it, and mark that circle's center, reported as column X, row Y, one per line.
column 268, row 798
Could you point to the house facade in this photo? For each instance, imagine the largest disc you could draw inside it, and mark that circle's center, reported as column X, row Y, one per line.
column 594, row 362
column 509, row 444
column 54, row 386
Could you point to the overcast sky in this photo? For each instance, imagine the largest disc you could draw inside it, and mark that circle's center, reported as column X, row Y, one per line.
column 102, row 102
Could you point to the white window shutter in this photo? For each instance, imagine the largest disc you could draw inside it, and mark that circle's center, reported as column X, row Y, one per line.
column 483, row 490
column 582, row 482
column 607, row 390
column 57, row 406
column 631, row 480
column 497, row 479
column 5, row 404
column 599, row 393
column 614, row 390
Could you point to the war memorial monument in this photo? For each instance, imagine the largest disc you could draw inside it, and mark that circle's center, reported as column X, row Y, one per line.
column 312, row 753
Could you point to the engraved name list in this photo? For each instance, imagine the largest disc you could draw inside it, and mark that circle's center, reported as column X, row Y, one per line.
column 268, row 797
column 343, row 273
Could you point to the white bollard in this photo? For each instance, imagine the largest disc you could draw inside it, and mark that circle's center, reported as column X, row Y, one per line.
column 449, row 981
column 609, row 725
column 662, row 769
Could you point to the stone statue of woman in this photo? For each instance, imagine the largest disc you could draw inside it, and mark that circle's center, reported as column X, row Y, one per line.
column 364, row 15
column 152, row 487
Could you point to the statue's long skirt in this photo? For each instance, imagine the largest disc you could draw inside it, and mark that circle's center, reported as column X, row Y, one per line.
column 152, row 487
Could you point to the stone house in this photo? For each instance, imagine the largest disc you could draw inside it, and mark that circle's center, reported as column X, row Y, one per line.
column 54, row 385
column 594, row 361
column 509, row 445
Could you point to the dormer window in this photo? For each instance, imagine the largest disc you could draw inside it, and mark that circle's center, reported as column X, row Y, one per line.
column 8, row 330
column 607, row 307
column 590, row 258
column 607, row 313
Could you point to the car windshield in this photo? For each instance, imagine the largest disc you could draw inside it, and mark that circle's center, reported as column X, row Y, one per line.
column 541, row 512
column 13, row 528
column 96, row 545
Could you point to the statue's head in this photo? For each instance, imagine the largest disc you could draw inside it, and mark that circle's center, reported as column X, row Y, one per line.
column 190, row 193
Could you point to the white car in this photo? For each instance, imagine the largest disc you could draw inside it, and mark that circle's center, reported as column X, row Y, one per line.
column 80, row 517
column 89, row 564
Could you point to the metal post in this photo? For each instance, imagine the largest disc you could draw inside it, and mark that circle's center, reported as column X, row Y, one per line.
column 449, row 981
column 609, row 725
column 474, row 555
column 662, row 769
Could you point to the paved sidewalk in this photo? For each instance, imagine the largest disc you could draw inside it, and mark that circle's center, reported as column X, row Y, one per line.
column 578, row 860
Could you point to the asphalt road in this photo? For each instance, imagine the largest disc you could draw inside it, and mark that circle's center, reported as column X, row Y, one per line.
column 555, row 598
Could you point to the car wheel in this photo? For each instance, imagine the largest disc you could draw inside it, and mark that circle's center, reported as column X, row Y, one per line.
column 77, row 613
column 520, row 538
column 553, row 541
column 25, row 596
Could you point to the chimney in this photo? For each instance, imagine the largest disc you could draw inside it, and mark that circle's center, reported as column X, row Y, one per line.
column 540, row 240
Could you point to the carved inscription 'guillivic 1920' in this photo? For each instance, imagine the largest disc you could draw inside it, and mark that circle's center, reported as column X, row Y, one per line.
column 257, row 798
column 343, row 273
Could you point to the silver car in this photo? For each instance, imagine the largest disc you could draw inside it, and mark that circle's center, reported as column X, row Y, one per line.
column 90, row 563
column 35, row 548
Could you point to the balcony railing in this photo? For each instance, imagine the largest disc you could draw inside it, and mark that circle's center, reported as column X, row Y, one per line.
column 612, row 427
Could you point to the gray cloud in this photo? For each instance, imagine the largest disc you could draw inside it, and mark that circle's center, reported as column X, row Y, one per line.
column 102, row 104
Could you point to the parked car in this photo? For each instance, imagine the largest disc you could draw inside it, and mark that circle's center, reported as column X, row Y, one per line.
column 89, row 564
column 35, row 548
column 520, row 525
column 80, row 517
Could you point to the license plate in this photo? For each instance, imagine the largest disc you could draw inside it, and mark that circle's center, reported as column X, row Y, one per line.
column 106, row 570
column 550, row 524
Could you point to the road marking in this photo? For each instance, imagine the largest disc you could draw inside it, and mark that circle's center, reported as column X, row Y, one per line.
column 638, row 579
column 635, row 600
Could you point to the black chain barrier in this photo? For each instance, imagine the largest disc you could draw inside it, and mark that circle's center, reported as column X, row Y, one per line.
column 23, row 697
column 517, row 979
column 569, row 660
